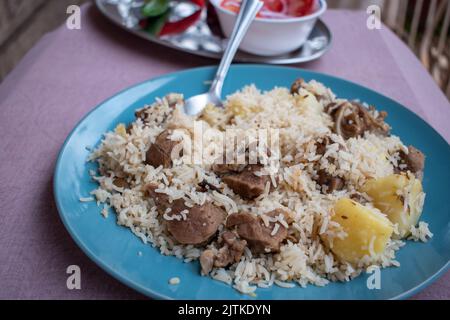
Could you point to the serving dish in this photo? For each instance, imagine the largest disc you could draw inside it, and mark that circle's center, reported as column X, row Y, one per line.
column 205, row 40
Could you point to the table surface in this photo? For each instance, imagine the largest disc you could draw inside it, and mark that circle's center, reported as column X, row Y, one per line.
column 69, row 72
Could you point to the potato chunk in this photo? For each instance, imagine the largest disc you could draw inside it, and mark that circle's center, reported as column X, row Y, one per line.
column 367, row 231
column 400, row 197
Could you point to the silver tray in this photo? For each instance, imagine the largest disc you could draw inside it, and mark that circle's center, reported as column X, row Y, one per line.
column 203, row 39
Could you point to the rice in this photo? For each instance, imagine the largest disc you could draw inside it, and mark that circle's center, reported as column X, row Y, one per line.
column 421, row 232
column 300, row 123
column 222, row 275
column 86, row 199
column 284, row 284
column 174, row 280
column 105, row 211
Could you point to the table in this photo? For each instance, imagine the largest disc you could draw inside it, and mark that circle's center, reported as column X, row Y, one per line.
column 68, row 72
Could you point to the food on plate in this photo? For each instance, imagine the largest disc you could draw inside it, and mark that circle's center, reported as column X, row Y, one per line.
column 276, row 9
column 287, row 186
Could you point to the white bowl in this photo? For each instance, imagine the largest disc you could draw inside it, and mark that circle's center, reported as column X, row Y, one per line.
column 270, row 37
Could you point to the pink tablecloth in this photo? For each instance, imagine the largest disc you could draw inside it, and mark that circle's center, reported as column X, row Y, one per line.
column 70, row 71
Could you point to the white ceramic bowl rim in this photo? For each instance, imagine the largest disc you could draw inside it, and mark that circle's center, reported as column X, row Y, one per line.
column 322, row 3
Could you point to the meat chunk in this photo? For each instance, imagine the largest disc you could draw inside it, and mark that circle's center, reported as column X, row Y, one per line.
column 120, row 182
column 259, row 236
column 414, row 161
column 321, row 145
column 352, row 119
column 246, row 183
column 205, row 186
column 207, row 261
column 227, row 168
column 232, row 249
column 230, row 252
column 201, row 222
column 331, row 183
column 160, row 152
column 161, row 199
column 297, row 85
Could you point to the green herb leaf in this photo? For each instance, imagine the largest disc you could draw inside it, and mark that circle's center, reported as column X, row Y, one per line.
column 154, row 8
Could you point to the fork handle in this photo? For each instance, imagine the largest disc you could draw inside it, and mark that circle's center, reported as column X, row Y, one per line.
column 248, row 11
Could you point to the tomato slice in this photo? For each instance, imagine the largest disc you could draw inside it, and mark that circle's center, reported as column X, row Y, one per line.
column 293, row 8
column 299, row 8
column 273, row 5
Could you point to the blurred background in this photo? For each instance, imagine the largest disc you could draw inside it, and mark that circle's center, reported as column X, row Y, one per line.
column 424, row 25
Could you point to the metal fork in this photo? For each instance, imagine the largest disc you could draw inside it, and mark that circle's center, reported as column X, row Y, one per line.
column 247, row 13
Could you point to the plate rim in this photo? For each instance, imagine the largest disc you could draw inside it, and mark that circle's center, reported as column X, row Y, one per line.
column 149, row 292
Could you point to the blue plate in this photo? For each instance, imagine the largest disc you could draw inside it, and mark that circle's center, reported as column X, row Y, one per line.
column 143, row 268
